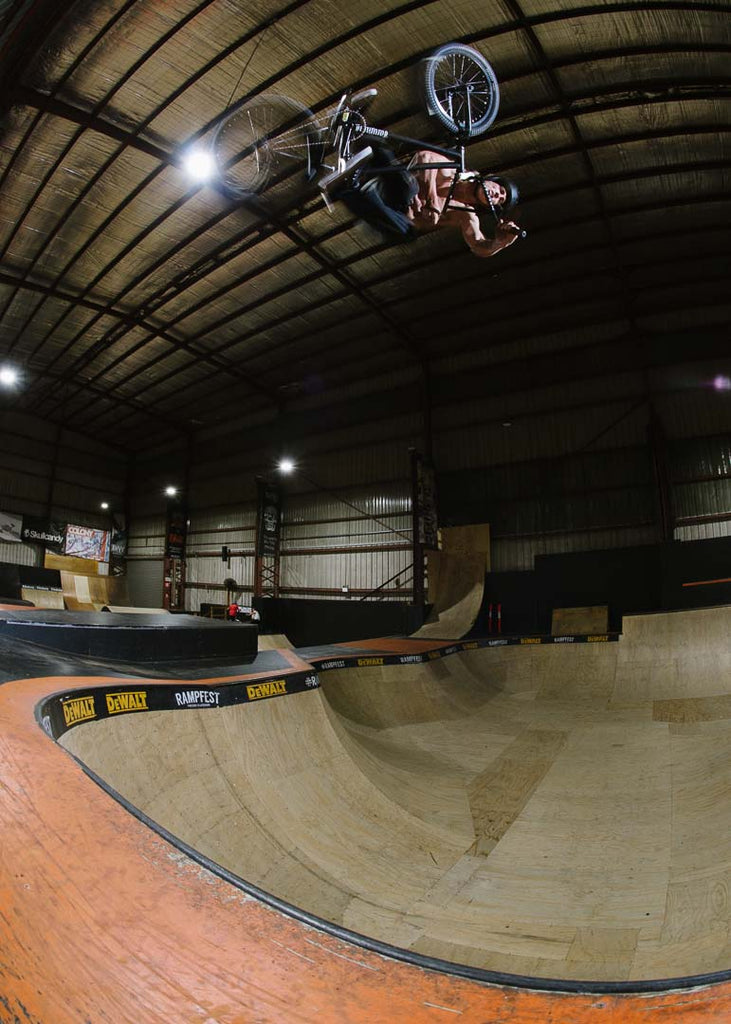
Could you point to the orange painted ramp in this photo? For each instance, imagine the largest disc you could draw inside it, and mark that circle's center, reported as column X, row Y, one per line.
column 102, row 920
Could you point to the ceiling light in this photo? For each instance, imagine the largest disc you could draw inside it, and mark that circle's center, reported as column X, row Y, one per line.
column 722, row 383
column 285, row 465
column 171, row 491
column 104, row 505
column 8, row 376
column 199, row 164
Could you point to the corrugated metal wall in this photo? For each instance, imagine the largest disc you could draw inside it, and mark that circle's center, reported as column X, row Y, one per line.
column 330, row 548
column 336, row 531
column 555, row 461
column 209, row 532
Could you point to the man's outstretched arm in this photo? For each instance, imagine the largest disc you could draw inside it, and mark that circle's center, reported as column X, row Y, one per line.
column 507, row 232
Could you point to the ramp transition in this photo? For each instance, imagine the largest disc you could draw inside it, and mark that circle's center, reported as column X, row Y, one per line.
column 532, row 816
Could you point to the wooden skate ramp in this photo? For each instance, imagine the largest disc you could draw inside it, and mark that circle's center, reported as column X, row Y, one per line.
column 456, row 581
column 556, row 811
column 274, row 642
column 88, row 593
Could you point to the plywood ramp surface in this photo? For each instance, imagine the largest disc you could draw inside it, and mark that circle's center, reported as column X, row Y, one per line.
column 90, row 593
column 43, row 598
column 529, row 810
column 461, row 583
column 274, row 642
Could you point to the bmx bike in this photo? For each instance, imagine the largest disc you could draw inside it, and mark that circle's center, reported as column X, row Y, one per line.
column 274, row 142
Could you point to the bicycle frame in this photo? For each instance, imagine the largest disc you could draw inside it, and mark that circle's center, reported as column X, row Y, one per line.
column 350, row 124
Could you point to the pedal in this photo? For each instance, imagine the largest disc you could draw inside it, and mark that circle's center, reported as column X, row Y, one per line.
column 339, row 176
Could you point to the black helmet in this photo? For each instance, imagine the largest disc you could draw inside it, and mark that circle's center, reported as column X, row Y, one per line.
column 511, row 190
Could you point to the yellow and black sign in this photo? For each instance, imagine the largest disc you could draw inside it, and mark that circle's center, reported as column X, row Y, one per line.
column 272, row 688
column 129, row 700
column 368, row 662
column 530, row 640
column 597, row 639
column 78, row 709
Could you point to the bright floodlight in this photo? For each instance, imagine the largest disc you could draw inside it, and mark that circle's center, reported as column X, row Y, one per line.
column 171, row 491
column 8, row 376
column 285, row 466
column 722, row 382
column 104, row 505
column 199, row 164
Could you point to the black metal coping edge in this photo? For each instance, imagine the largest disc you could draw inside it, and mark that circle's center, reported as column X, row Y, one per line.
column 443, row 648
column 65, row 709
column 62, row 711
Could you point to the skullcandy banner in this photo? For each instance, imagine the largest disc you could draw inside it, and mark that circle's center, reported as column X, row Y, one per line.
column 268, row 518
column 48, row 532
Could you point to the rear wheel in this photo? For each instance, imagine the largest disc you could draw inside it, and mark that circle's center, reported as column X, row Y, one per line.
column 461, row 90
column 271, row 139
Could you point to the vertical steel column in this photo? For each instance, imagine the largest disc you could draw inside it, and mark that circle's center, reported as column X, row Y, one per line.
column 268, row 528
column 658, row 451
column 173, row 586
column 416, row 527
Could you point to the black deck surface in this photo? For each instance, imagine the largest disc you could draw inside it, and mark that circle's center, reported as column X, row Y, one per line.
column 131, row 638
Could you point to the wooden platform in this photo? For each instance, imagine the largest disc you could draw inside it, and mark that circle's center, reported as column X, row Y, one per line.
column 558, row 811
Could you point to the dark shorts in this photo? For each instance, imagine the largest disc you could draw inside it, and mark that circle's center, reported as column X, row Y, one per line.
column 382, row 199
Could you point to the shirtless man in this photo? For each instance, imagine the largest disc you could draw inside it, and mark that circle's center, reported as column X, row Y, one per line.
column 430, row 211
column 405, row 203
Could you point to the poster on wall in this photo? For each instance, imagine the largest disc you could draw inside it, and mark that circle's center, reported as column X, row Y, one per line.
column 176, row 530
column 118, row 552
column 10, row 527
column 87, row 542
column 269, row 518
column 426, row 503
column 48, row 532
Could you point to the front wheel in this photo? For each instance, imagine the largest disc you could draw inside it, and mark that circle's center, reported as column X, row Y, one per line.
column 461, row 90
column 270, row 139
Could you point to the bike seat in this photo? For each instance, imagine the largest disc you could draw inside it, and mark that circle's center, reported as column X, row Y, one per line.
column 360, row 100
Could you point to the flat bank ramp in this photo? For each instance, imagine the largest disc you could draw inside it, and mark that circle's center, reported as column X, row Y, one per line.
column 274, row 642
column 558, row 811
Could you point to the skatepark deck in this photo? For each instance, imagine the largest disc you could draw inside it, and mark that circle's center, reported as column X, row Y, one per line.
column 556, row 811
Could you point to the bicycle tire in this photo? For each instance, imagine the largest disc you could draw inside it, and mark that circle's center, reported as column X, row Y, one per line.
column 461, row 89
column 270, row 138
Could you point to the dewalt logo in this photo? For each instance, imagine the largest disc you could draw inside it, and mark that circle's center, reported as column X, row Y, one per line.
column 597, row 639
column 530, row 639
column 130, row 700
column 367, row 662
column 78, row 709
column 272, row 688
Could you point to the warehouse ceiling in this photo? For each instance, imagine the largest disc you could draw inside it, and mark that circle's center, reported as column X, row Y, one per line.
column 141, row 306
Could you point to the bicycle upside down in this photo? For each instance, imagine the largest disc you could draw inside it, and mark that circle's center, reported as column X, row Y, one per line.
column 274, row 141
